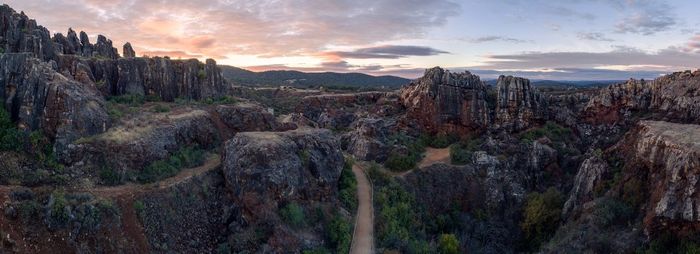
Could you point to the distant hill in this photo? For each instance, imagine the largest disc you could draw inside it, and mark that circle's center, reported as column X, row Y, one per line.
column 305, row 79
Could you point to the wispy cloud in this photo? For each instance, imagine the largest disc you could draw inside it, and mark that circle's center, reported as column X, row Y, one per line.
column 646, row 17
column 493, row 38
column 593, row 37
column 385, row 52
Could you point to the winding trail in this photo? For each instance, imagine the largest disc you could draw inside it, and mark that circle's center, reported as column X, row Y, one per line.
column 363, row 237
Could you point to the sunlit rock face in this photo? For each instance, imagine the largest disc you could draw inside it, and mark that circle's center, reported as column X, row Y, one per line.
column 444, row 102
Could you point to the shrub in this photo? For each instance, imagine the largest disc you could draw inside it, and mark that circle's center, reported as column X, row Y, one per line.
column 541, row 216
column 551, row 130
column 29, row 210
column 633, row 192
column 442, row 141
column 293, row 215
column 202, row 74
column 339, row 231
column 398, row 162
column 139, row 208
column 11, row 139
column 187, row 157
column 58, row 210
column 348, row 186
column 132, row 100
column 611, row 211
column 448, row 244
column 161, row 108
column 461, row 152
column 109, row 176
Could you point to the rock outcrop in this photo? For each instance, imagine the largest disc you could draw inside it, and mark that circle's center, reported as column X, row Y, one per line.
column 246, row 117
column 128, row 51
column 300, row 164
column 664, row 159
column 39, row 98
column 20, row 34
column 674, row 97
column 444, row 102
column 519, row 105
column 366, row 141
column 591, row 173
column 158, row 77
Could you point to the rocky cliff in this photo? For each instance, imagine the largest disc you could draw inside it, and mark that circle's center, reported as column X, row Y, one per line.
column 665, row 159
column 674, row 97
column 518, row 104
column 444, row 102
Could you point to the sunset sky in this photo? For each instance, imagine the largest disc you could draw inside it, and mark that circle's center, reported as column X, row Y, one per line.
column 539, row 39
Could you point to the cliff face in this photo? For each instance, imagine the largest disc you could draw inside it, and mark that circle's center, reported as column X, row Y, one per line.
column 38, row 98
column 446, row 102
column 665, row 158
column 674, row 97
column 162, row 77
column 19, row 34
column 518, row 104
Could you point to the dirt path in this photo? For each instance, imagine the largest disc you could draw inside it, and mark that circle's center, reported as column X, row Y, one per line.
column 363, row 237
column 435, row 156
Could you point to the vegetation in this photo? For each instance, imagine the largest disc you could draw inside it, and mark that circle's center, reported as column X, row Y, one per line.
column 58, row 213
column 140, row 208
column 348, row 186
column 448, row 244
column 202, row 74
column 133, row 100
column 293, row 215
column 461, row 152
column 11, row 139
column 551, row 130
column 667, row 243
column 541, row 216
column 220, row 100
column 161, row 108
column 109, row 176
column 187, row 157
column 339, row 232
column 610, row 211
column 405, row 161
column 304, row 80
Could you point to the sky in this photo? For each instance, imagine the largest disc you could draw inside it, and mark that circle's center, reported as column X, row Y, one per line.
column 537, row 39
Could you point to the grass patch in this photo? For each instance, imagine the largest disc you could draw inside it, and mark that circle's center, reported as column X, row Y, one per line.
column 551, row 130
column 187, row 157
column 541, row 216
column 161, row 108
column 133, row 100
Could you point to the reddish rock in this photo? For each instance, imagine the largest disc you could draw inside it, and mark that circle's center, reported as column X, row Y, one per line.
column 444, row 102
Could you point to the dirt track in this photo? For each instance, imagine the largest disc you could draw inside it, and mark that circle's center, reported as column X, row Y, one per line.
column 363, row 238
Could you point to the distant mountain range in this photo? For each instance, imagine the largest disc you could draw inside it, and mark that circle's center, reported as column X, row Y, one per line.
column 305, row 79
column 565, row 83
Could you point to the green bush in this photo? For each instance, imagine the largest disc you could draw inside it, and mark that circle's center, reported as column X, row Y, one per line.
column 347, row 187
column 668, row 243
column 448, row 244
column 187, row 157
column 399, row 162
column 29, row 210
column 11, row 139
column 339, row 231
column 139, row 208
column 611, row 211
column 541, row 216
column 109, row 176
column 461, row 152
column 202, row 74
column 58, row 211
column 161, row 108
column 293, row 215
column 551, row 130
column 441, row 141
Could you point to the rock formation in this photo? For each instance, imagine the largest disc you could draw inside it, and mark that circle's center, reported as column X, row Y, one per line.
column 301, row 164
column 591, row 173
column 366, row 141
column 444, row 102
column 674, row 97
column 518, row 104
column 128, row 51
column 41, row 99
column 664, row 158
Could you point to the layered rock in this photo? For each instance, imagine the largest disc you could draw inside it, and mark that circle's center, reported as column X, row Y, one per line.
column 519, row 105
column 159, row 77
column 246, row 117
column 674, row 97
column 39, row 98
column 590, row 174
column 446, row 102
column 665, row 158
